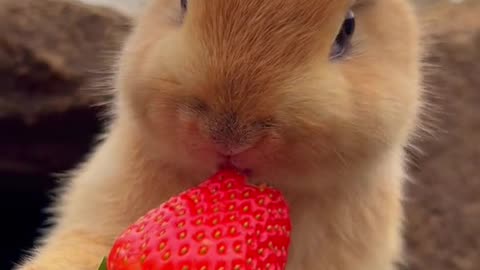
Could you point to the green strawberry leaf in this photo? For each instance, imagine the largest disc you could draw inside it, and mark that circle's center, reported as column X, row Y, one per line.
column 103, row 265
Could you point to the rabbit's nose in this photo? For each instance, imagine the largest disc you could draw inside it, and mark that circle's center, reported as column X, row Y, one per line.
column 230, row 136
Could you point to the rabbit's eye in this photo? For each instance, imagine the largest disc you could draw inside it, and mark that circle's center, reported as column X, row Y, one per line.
column 183, row 4
column 342, row 41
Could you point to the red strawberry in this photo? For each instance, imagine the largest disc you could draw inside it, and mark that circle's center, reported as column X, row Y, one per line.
column 223, row 224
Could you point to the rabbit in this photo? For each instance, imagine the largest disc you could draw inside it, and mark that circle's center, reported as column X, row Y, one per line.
column 318, row 98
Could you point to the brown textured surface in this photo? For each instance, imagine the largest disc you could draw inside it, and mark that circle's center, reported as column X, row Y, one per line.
column 444, row 201
column 47, row 50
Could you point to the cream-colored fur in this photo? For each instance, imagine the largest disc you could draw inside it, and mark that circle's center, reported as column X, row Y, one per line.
column 331, row 136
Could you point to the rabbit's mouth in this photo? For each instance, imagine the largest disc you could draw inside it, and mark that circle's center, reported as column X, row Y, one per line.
column 228, row 164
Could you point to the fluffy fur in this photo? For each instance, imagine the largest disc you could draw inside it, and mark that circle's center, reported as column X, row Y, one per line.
column 253, row 80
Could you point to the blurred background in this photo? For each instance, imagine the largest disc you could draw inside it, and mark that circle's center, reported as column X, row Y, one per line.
column 50, row 51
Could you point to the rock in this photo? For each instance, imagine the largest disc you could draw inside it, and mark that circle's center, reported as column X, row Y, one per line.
column 50, row 53
column 130, row 7
column 443, row 206
column 48, row 49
